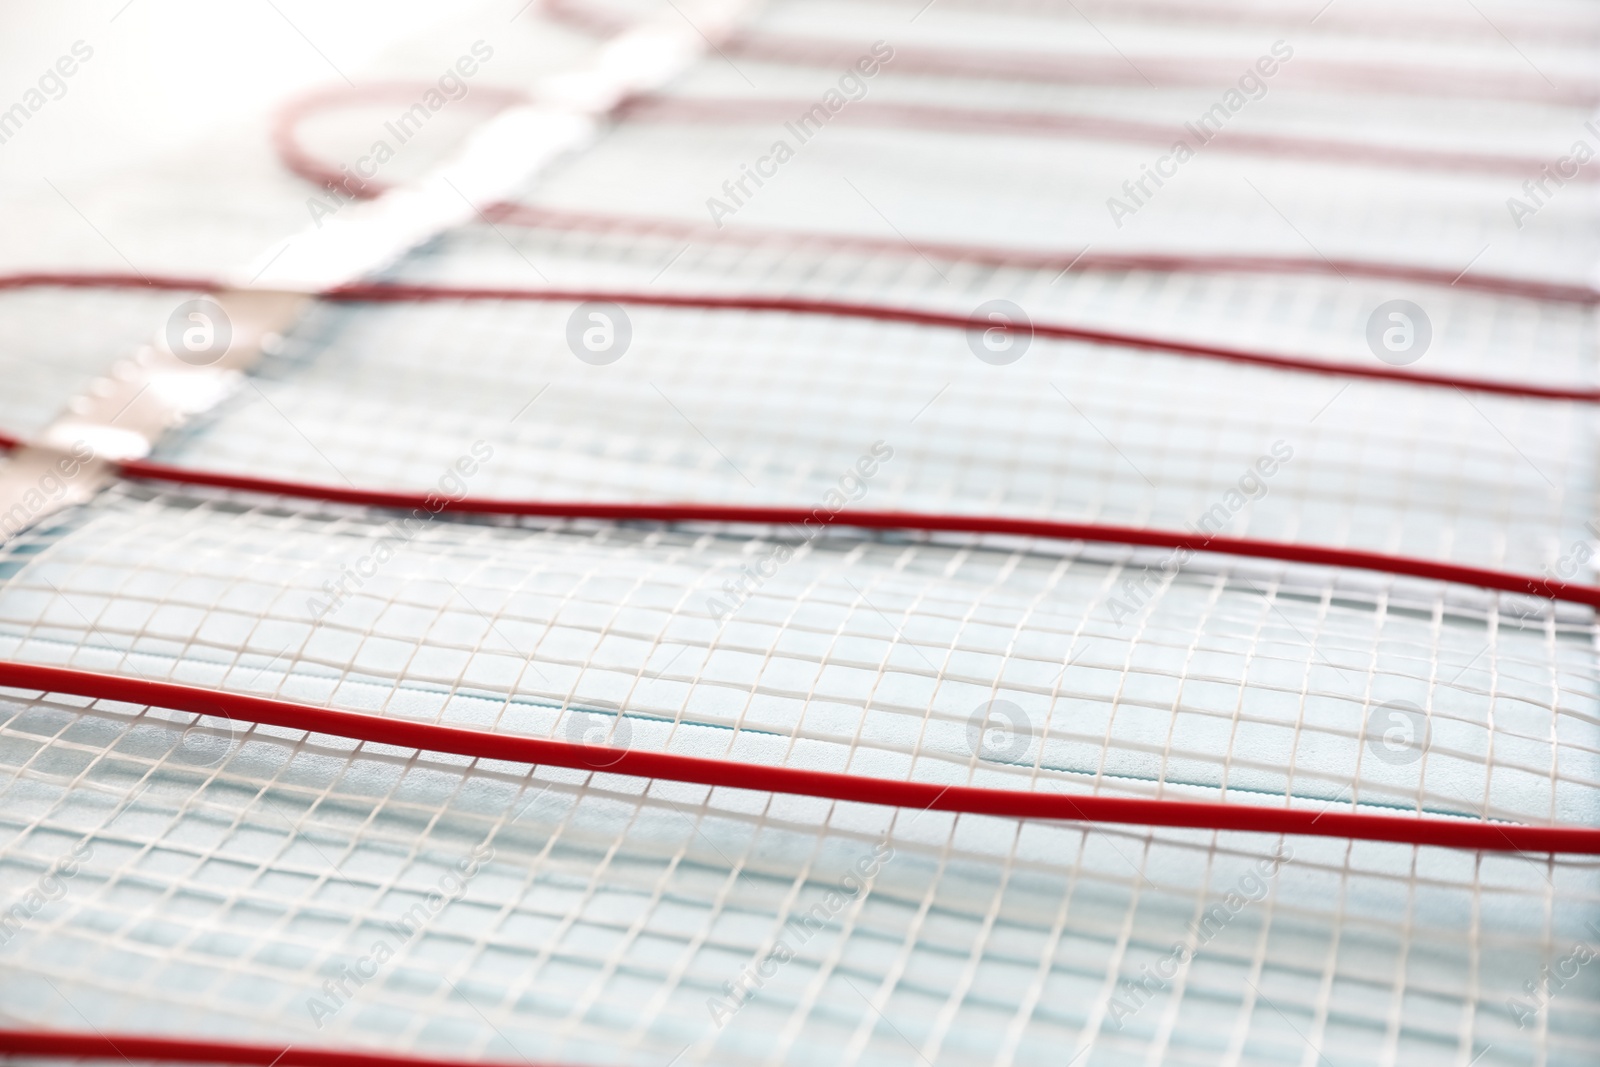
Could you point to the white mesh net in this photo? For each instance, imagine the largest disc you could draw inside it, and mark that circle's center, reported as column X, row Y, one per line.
column 256, row 883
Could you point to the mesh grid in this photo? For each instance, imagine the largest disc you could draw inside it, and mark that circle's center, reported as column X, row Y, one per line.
column 234, row 874
column 1048, row 188
column 747, row 407
column 864, row 656
column 607, row 918
column 53, row 342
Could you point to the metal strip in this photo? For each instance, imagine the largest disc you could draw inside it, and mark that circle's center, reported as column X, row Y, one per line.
column 213, row 341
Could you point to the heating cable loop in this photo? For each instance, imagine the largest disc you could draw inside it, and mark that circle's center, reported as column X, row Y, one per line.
column 1313, row 555
column 1136, row 70
column 1419, row 830
column 300, row 161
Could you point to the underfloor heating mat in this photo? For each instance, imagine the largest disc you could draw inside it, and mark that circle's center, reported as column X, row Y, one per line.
column 1035, row 532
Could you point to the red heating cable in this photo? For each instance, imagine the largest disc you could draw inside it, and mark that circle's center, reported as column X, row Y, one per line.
column 593, row 18
column 1138, row 71
column 913, row 115
column 1337, row 18
column 1313, row 555
column 298, row 160
column 1427, row 831
column 402, row 293
column 412, row 293
column 1478, row 834
column 1248, row 548
column 57, row 1044
column 1096, row 127
column 1053, row 262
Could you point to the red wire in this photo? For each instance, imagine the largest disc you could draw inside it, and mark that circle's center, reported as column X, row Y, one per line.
column 1480, row 834
column 1412, row 830
column 1392, row 23
column 301, row 162
column 1314, row 555
column 1167, row 72
column 107, row 280
column 285, row 132
column 101, row 1046
column 286, row 125
column 990, row 121
column 369, row 293
column 684, row 512
column 1053, row 262
column 1139, row 71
